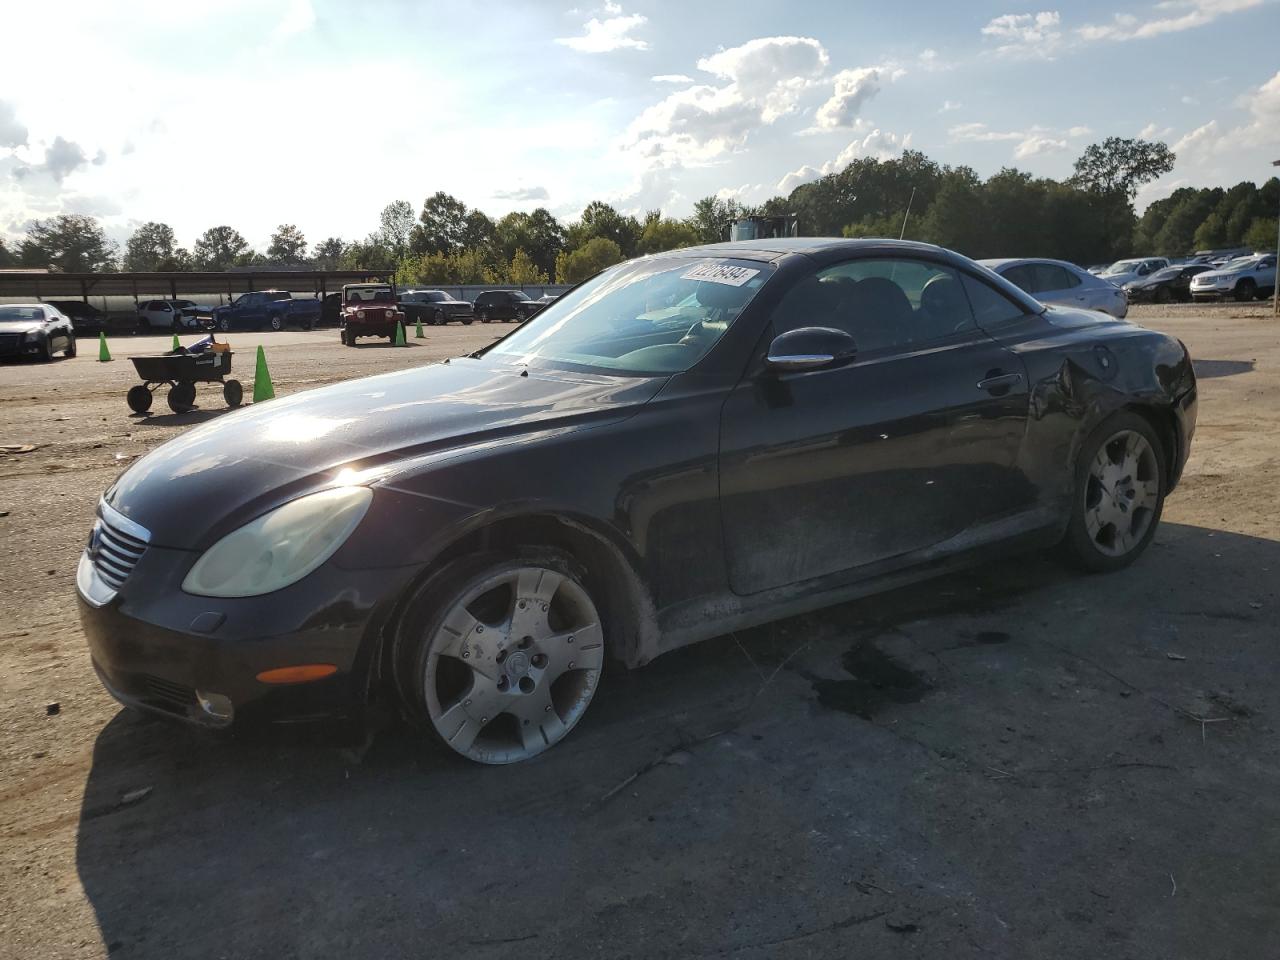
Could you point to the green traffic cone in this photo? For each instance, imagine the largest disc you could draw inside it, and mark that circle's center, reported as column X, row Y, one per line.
column 419, row 334
column 176, row 344
column 103, row 353
column 262, row 388
column 400, row 341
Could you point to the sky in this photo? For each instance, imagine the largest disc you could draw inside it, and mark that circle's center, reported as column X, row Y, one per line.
column 320, row 112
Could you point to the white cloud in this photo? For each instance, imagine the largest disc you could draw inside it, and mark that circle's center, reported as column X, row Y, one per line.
column 949, row 105
column 1170, row 16
column 763, row 80
column 1153, row 132
column 880, row 144
column 609, row 34
column 12, row 133
column 1263, row 129
column 1189, row 101
column 63, row 157
column 671, row 78
column 523, row 194
column 853, row 88
column 1035, row 145
column 1026, row 34
column 980, row 132
column 299, row 17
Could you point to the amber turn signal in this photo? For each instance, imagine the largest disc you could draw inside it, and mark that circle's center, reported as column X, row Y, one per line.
column 303, row 673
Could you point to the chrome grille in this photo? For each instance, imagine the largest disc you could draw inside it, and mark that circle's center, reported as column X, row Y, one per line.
column 116, row 545
column 10, row 343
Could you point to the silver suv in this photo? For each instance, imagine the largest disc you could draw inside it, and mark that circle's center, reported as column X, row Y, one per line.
column 1243, row 278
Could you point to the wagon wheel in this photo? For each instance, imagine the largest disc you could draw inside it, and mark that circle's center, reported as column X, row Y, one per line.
column 233, row 392
column 139, row 398
column 182, row 396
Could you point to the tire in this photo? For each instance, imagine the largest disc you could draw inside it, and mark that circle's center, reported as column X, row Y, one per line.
column 520, row 316
column 182, row 397
column 1265, row 293
column 437, row 319
column 70, row 352
column 1245, row 290
column 468, row 321
column 224, row 324
column 139, row 399
column 484, row 316
column 1163, row 295
column 233, row 392
column 275, row 322
column 1106, row 532
column 499, row 655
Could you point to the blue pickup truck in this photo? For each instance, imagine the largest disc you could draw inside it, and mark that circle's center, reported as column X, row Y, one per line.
column 269, row 309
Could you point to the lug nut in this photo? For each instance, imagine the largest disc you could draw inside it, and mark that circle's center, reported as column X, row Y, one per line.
column 539, row 660
column 571, row 639
column 570, row 664
column 479, row 628
column 521, row 604
column 547, row 708
column 484, row 720
column 466, row 654
column 466, row 703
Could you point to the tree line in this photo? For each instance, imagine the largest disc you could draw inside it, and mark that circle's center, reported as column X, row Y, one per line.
column 1086, row 218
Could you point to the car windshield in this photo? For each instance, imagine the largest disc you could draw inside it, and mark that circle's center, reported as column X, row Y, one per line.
column 650, row 316
column 369, row 294
column 1239, row 263
column 1121, row 266
column 519, row 295
column 21, row 313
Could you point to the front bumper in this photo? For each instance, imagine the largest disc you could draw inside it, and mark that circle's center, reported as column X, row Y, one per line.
column 160, row 649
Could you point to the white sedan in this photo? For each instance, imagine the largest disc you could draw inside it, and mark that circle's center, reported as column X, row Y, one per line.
column 1059, row 282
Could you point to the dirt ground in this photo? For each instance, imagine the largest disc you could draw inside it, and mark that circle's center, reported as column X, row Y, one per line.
column 1016, row 762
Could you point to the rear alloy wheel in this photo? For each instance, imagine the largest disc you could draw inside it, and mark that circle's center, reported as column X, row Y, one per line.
column 509, row 658
column 276, row 323
column 484, row 316
column 520, row 316
column 437, row 319
column 224, row 324
column 1119, row 495
column 1245, row 290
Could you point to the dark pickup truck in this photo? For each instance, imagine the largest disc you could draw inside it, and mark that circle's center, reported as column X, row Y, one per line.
column 269, row 309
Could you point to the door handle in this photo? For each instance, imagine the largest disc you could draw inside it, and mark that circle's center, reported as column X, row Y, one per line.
column 999, row 381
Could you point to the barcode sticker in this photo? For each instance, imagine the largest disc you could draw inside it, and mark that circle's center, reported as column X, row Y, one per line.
column 725, row 273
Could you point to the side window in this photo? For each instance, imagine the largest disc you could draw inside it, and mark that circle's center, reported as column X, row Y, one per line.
column 1025, row 277
column 990, row 307
column 882, row 304
column 1054, row 277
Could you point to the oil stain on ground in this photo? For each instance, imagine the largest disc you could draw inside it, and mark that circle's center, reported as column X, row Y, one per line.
column 876, row 680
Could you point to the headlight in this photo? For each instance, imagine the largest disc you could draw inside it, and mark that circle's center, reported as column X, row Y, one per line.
column 360, row 314
column 33, row 335
column 281, row 547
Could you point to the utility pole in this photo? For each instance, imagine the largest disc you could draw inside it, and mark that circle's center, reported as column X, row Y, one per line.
column 1275, row 287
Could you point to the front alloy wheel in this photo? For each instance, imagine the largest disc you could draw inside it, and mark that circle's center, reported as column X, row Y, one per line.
column 511, row 660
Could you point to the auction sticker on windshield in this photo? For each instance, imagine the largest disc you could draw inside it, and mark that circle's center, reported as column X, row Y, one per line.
column 725, row 273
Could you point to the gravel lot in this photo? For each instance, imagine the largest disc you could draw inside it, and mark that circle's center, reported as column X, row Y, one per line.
column 1041, row 765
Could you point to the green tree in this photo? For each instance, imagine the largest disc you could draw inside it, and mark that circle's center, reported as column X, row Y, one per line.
column 588, row 260
column 288, row 245
column 326, row 254
column 523, row 270
column 1212, row 232
column 441, row 226
column 1261, row 235
column 152, row 247
column 478, row 232
column 711, row 218
column 538, row 233
column 395, row 224
column 601, row 220
column 665, row 234
column 1120, row 166
column 221, row 248
column 7, row 257
column 464, row 266
column 70, row 242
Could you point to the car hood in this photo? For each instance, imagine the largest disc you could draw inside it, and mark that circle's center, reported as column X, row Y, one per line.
column 220, row 475
column 1070, row 318
column 19, row 326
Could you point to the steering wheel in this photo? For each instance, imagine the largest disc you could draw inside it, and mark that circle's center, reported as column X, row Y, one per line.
column 696, row 334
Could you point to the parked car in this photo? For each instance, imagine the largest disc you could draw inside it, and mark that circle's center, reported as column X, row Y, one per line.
column 505, row 305
column 434, row 307
column 331, row 310
column 175, row 315
column 1171, row 283
column 271, row 309
column 1122, row 271
column 1056, row 281
column 35, row 330
column 1243, row 278
column 469, row 540
column 369, row 310
column 87, row 319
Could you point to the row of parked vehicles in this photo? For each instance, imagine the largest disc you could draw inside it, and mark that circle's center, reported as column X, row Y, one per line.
column 1247, row 276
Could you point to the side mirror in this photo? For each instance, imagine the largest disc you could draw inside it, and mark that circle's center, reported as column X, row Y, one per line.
column 810, row 348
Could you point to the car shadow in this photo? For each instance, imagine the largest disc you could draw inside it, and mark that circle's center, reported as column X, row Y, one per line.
column 1212, row 369
column 194, row 844
column 188, row 418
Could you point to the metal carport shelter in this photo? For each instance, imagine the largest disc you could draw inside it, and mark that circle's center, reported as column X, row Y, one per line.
column 44, row 285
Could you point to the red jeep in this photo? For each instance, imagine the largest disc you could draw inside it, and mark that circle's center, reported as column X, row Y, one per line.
column 369, row 310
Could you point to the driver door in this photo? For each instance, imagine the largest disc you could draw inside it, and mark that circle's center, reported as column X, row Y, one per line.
column 831, row 471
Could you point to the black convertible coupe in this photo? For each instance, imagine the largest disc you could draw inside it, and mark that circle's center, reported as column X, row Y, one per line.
column 683, row 445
